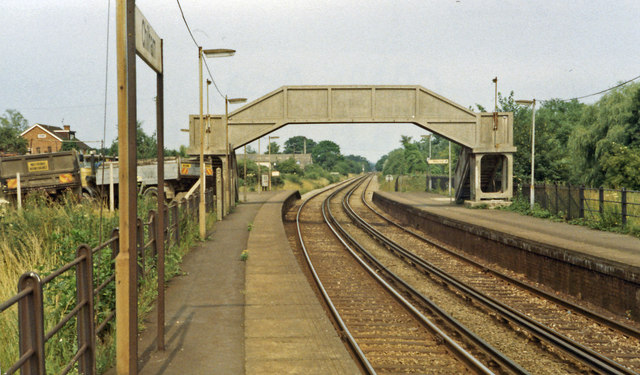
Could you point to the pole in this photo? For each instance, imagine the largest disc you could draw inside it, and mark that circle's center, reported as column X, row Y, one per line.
column 201, row 216
column 126, row 260
column 533, row 151
column 450, row 197
column 159, row 235
column 19, row 191
column 429, row 166
column 245, row 173
column 112, row 202
column 228, row 182
column 269, row 163
column 259, row 169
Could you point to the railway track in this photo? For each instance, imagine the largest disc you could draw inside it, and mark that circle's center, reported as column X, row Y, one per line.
column 486, row 335
column 600, row 344
column 386, row 334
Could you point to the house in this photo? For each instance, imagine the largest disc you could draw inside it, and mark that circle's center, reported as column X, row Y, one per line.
column 47, row 138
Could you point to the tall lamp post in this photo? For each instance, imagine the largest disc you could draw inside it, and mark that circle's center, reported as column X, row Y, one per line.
column 207, row 53
column 430, row 136
column 228, row 101
column 531, row 103
column 270, row 138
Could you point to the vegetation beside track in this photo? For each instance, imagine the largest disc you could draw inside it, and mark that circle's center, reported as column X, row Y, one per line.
column 42, row 237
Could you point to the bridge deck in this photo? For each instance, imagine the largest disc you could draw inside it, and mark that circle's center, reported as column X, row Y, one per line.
column 619, row 248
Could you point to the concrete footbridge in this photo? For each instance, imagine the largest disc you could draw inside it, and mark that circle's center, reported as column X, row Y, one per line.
column 485, row 167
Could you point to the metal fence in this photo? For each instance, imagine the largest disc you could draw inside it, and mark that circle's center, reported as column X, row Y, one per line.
column 617, row 207
column 89, row 289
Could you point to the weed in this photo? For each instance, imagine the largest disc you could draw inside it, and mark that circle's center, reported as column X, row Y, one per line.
column 244, row 255
column 249, row 227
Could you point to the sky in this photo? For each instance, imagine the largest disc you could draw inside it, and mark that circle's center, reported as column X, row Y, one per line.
column 55, row 55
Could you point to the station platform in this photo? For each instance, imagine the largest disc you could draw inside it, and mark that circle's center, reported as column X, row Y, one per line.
column 597, row 268
column 259, row 316
column 619, row 248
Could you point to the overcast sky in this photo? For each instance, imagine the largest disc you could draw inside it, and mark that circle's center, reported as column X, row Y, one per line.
column 53, row 60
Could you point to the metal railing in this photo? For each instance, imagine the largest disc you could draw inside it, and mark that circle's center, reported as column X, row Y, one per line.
column 621, row 206
column 89, row 324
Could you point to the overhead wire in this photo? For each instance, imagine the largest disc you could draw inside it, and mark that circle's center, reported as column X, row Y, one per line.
column 602, row 91
column 198, row 46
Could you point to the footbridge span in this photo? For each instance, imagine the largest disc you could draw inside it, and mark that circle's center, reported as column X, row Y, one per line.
column 485, row 168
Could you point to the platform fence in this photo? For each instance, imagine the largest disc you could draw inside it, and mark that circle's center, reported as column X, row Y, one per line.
column 612, row 207
column 28, row 306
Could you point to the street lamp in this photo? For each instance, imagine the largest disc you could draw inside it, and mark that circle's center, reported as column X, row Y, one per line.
column 270, row 138
column 226, row 124
column 531, row 103
column 207, row 53
column 430, row 136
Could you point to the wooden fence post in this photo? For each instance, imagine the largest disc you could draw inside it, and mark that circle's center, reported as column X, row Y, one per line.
column 623, row 203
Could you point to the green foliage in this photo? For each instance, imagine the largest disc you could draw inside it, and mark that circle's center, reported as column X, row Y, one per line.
column 295, row 145
column 326, row 154
column 273, row 148
column 147, row 146
column 289, row 166
column 12, row 123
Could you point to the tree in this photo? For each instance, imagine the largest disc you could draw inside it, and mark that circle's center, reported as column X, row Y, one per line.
column 273, row 148
column 147, row 146
column 289, row 166
column 326, row 154
column 296, row 145
column 250, row 150
column 12, row 124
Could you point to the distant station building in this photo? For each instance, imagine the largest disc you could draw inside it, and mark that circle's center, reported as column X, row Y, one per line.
column 301, row 159
column 47, row 138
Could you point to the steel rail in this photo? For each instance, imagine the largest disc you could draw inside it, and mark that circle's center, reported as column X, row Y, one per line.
column 462, row 354
column 627, row 330
column 458, row 327
column 578, row 351
column 364, row 362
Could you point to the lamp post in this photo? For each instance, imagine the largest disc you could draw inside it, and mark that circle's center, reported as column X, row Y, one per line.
column 531, row 103
column 226, row 125
column 430, row 136
column 207, row 53
column 270, row 138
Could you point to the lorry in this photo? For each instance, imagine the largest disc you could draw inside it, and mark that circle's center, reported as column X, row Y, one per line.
column 89, row 175
column 52, row 173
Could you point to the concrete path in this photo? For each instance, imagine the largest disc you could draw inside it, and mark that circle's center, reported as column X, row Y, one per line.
column 286, row 329
column 205, row 306
column 226, row 316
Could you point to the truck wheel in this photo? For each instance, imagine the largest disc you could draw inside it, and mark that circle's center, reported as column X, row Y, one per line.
column 151, row 192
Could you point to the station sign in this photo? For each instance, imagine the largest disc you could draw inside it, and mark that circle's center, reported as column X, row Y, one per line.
column 148, row 43
column 275, row 173
column 438, row 161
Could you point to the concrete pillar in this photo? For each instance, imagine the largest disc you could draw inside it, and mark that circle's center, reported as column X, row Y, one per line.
column 226, row 185
column 219, row 194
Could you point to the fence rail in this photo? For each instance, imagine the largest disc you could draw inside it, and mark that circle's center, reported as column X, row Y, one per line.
column 30, row 296
column 579, row 202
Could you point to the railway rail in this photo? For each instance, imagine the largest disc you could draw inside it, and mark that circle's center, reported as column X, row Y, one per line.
column 384, row 331
column 603, row 345
column 335, row 240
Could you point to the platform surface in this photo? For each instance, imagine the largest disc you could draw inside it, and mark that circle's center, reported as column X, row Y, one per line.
column 259, row 316
column 616, row 247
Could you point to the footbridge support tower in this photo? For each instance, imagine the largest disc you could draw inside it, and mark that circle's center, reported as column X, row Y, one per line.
column 485, row 166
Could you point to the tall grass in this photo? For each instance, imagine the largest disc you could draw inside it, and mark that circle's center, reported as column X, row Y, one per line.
column 44, row 236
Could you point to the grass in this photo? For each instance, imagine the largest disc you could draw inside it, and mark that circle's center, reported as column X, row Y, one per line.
column 304, row 185
column 44, row 236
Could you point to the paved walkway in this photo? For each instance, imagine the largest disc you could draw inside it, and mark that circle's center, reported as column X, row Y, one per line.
column 619, row 248
column 226, row 316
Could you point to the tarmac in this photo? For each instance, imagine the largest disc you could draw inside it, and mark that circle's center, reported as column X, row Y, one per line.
column 259, row 316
